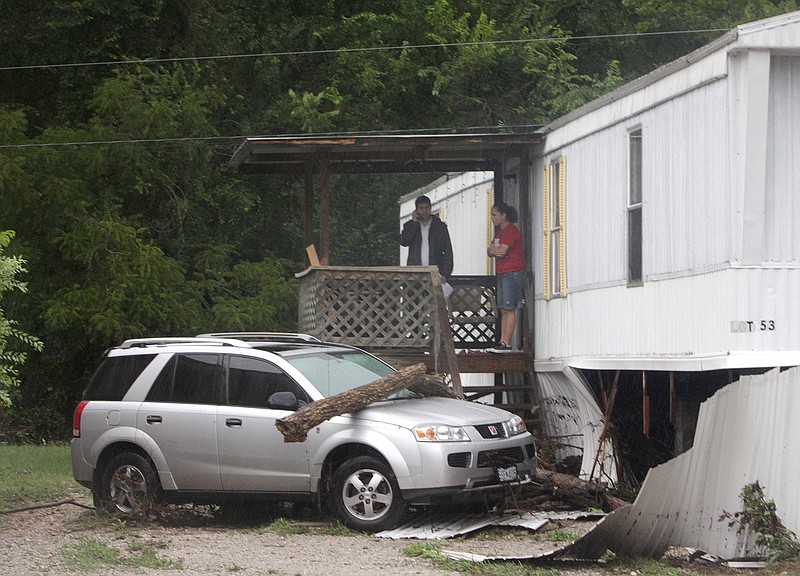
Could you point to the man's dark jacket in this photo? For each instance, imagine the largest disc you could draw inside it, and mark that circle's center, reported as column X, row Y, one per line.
column 441, row 250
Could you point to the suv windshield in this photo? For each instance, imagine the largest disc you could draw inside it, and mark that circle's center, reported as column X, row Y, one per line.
column 335, row 371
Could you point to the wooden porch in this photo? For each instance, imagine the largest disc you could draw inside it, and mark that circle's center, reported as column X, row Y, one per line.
column 400, row 314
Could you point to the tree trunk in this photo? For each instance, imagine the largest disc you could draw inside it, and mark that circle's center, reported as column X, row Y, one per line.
column 430, row 385
column 295, row 427
column 554, row 490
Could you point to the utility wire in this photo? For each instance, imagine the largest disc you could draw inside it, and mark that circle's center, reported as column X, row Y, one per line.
column 349, row 50
column 303, row 53
column 113, row 142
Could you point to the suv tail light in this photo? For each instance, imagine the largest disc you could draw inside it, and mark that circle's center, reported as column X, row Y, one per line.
column 76, row 419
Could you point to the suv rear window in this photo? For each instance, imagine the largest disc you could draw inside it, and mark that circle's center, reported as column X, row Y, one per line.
column 188, row 379
column 115, row 375
column 251, row 382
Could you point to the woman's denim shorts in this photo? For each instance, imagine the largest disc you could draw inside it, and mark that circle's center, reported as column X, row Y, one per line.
column 510, row 288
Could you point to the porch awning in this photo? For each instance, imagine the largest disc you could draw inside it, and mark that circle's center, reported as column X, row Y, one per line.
column 384, row 154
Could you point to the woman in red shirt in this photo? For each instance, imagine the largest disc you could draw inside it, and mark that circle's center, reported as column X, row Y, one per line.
column 506, row 249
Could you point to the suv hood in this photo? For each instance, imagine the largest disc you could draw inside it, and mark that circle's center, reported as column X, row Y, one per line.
column 408, row 413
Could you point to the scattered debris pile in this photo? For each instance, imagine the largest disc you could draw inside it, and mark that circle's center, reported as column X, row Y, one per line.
column 557, row 491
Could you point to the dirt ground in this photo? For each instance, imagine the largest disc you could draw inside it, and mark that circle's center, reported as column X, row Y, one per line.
column 195, row 541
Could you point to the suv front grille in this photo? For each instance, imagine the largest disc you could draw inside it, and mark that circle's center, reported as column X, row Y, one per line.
column 490, row 431
column 492, row 458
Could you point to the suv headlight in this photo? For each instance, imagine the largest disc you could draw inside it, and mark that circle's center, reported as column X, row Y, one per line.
column 516, row 425
column 440, row 433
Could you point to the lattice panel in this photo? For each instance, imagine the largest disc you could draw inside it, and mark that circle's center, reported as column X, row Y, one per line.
column 370, row 308
column 473, row 316
column 307, row 307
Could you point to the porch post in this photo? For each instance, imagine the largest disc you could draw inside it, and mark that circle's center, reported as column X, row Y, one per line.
column 308, row 222
column 324, row 215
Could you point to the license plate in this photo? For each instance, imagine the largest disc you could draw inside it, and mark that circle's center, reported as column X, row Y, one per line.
column 507, row 473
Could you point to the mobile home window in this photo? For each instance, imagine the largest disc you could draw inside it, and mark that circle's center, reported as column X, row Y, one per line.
column 555, row 254
column 635, row 206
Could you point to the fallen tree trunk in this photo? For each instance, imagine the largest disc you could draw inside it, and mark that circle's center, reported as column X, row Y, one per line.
column 295, row 427
column 429, row 385
column 555, row 490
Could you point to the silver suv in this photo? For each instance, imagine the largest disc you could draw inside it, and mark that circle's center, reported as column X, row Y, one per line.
column 193, row 419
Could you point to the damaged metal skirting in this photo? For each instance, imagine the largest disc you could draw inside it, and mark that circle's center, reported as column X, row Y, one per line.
column 747, row 432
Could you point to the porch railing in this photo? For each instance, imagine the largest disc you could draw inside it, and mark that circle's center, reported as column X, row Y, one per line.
column 399, row 308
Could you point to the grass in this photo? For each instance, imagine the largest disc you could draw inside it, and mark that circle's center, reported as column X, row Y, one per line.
column 560, row 536
column 284, row 527
column 432, row 552
column 337, row 529
column 34, row 474
column 92, row 555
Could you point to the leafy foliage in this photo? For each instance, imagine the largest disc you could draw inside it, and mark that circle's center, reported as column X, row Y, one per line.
column 761, row 518
column 11, row 359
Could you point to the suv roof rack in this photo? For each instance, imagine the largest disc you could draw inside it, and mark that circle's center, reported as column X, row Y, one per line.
column 144, row 342
column 263, row 336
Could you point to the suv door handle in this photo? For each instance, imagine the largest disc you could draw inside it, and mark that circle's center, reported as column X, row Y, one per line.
column 154, row 419
column 233, row 422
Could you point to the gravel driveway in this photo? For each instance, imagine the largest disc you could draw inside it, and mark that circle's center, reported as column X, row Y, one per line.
column 61, row 539
column 42, row 541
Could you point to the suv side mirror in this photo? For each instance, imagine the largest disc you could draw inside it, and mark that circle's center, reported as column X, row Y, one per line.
column 283, row 401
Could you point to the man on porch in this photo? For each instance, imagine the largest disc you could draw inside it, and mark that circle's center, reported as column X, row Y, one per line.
column 428, row 239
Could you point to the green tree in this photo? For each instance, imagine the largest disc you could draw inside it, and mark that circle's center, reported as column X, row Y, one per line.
column 11, row 357
column 136, row 239
column 152, row 234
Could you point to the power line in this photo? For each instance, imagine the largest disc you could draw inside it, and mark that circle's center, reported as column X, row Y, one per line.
column 350, row 50
column 303, row 53
column 114, row 142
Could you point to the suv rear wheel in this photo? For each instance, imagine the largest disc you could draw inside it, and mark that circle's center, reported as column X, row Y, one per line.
column 128, row 485
column 366, row 495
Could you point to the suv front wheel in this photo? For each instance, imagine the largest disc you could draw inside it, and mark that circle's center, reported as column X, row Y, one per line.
column 128, row 485
column 366, row 496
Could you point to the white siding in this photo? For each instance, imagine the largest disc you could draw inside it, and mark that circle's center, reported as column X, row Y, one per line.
column 686, row 323
column 596, row 211
column 671, row 80
column 721, row 203
column 631, row 102
column 783, row 161
column 686, row 201
column 686, row 192
column 572, row 417
column 776, row 32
